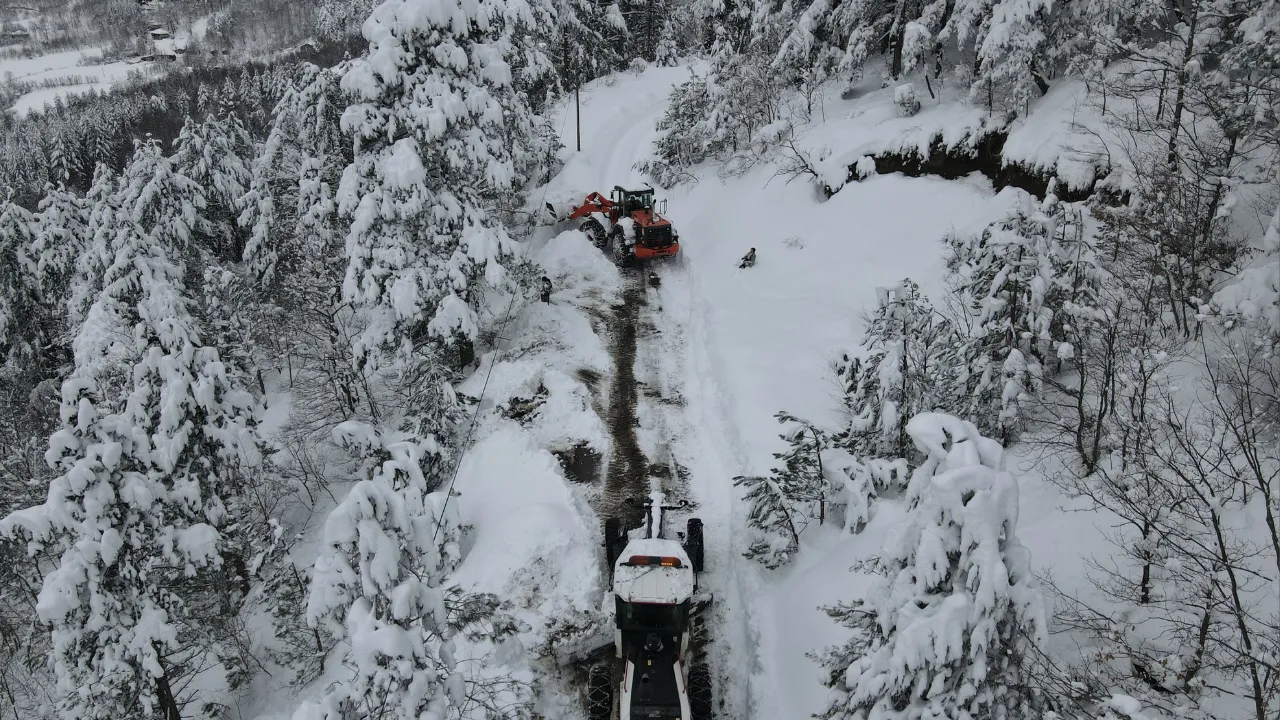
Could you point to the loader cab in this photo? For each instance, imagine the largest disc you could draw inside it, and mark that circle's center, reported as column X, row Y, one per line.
column 632, row 200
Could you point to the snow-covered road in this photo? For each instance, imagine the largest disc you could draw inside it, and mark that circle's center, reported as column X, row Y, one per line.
column 720, row 350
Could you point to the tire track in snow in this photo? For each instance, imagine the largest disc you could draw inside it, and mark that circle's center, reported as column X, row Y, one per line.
column 703, row 440
column 628, row 470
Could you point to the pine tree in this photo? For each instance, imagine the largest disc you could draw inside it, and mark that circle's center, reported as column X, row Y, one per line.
column 950, row 627
column 424, row 238
column 341, row 19
column 23, row 335
column 1015, row 45
column 208, row 152
column 906, row 371
column 155, row 440
column 300, row 647
column 380, row 583
column 1008, row 276
column 782, row 504
column 59, row 157
column 103, row 204
column 585, row 42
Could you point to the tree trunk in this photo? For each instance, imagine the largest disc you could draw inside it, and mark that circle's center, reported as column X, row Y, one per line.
column 1179, row 100
column 168, row 703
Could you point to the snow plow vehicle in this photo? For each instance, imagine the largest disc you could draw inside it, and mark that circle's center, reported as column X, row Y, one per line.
column 630, row 220
column 655, row 674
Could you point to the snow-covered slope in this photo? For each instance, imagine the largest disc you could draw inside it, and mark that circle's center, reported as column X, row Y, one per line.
column 72, row 67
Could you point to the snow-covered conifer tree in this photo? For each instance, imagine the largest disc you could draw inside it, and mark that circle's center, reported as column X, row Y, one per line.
column 1012, row 52
column 381, row 584
column 154, row 441
column 103, row 203
column 209, row 152
column 20, row 315
column 906, row 371
column 61, row 225
column 950, row 627
column 784, row 502
column 436, row 147
column 585, row 43
column 1008, row 275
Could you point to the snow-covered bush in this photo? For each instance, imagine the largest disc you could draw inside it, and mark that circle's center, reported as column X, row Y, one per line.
column 904, row 96
column 854, row 484
column 865, row 167
column 952, row 623
column 1253, row 297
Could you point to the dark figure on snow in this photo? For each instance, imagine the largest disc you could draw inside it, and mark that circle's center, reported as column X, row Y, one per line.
column 546, row 289
column 749, row 259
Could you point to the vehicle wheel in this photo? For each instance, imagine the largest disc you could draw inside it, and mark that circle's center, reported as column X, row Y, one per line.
column 594, row 230
column 612, row 536
column 693, row 543
column 600, row 693
column 699, row 692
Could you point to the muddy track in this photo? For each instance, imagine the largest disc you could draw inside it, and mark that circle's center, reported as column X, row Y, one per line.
column 628, row 474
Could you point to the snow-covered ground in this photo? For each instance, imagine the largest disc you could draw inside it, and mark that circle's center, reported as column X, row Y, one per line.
column 77, row 65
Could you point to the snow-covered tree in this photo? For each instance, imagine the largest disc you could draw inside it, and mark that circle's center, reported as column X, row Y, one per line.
column 21, row 336
column 155, row 439
column 436, row 146
column 1008, row 276
column 103, row 203
column 953, row 622
column 1013, row 51
column 210, row 153
column 586, row 40
column 783, row 503
column 341, row 19
column 1253, row 296
column 61, row 226
column 381, row 584
column 906, row 370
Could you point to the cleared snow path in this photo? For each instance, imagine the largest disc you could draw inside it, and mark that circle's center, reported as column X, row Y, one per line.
column 628, row 472
column 664, row 393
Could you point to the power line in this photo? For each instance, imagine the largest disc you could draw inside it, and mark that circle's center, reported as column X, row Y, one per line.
column 466, row 445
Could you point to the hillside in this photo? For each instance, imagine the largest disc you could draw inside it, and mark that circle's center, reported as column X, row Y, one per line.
column 916, row 361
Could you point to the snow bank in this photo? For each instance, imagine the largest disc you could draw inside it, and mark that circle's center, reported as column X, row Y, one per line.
column 881, row 128
column 570, row 256
column 533, row 542
column 534, row 539
column 1061, row 136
